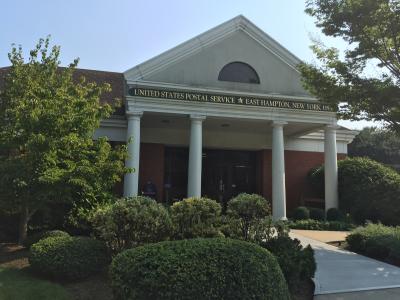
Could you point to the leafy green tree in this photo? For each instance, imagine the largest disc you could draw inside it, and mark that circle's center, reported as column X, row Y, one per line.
column 47, row 121
column 372, row 30
column 378, row 144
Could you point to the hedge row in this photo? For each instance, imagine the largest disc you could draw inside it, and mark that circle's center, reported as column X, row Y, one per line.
column 321, row 225
column 377, row 241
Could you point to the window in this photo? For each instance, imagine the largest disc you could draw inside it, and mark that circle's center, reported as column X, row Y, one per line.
column 238, row 72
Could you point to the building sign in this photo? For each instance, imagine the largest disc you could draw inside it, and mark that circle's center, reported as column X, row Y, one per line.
column 227, row 99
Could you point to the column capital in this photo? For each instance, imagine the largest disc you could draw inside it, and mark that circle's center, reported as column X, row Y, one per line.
column 196, row 117
column 331, row 127
column 133, row 115
column 279, row 123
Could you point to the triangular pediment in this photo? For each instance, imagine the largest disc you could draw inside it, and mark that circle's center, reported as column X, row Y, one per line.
column 197, row 62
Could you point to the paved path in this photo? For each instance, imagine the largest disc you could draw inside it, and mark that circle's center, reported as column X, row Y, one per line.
column 340, row 271
column 323, row 236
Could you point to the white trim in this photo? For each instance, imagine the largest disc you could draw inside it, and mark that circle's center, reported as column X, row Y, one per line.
column 239, row 23
column 229, row 110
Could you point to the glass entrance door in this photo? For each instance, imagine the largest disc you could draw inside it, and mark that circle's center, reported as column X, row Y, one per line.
column 227, row 173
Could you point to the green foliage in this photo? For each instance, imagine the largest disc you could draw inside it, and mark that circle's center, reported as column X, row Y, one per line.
column 358, row 238
column 377, row 241
column 297, row 264
column 216, row 268
column 317, row 214
column 195, row 217
column 321, row 225
column 368, row 190
column 36, row 237
column 372, row 30
column 131, row 222
column 301, row 213
column 47, row 121
column 333, row 214
column 377, row 144
column 20, row 285
column 249, row 214
column 70, row 258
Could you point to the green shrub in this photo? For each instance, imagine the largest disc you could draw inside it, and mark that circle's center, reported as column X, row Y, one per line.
column 131, row 222
column 301, row 213
column 66, row 257
column 321, row 225
column 368, row 190
column 357, row 240
column 248, row 214
column 217, row 268
column 195, row 217
column 297, row 264
column 36, row 237
column 378, row 246
column 377, row 241
column 333, row 214
column 317, row 214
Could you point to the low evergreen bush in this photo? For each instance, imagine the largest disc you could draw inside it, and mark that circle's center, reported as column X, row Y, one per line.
column 317, row 214
column 321, row 225
column 357, row 240
column 301, row 213
column 333, row 214
column 36, row 237
column 248, row 216
column 131, row 222
column 217, row 268
column 68, row 258
column 297, row 263
column 195, row 217
column 377, row 241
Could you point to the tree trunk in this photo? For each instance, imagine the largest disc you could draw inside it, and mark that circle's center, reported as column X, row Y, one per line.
column 23, row 224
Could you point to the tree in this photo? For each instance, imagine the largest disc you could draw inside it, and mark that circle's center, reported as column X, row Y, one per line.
column 378, row 144
column 372, row 30
column 47, row 121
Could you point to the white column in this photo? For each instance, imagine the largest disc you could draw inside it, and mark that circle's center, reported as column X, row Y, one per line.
column 278, row 172
column 195, row 156
column 131, row 180
column 331, row 169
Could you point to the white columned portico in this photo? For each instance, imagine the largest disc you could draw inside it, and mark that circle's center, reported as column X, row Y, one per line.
column 278, row 172
column 331, row 169
column 195, row 155
column 131, row 180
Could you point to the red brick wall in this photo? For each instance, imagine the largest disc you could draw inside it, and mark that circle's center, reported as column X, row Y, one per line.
column 152, row 167
column 297, row 165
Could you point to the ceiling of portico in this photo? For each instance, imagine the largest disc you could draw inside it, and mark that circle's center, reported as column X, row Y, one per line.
column 182, row 122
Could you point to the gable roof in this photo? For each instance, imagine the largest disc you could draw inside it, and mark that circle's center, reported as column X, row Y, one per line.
column 239, row 23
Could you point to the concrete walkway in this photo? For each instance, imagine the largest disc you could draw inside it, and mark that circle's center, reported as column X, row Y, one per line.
column 340, row 271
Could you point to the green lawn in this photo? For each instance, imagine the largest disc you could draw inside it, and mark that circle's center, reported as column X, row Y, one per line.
column 19, row 285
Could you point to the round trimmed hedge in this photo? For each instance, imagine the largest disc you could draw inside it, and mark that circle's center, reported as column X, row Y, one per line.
column 196, row 217
column 130, row 222
column 216, row 268
column 368, row 190
column 36, row 237
column 67, row 257
column 301, row 213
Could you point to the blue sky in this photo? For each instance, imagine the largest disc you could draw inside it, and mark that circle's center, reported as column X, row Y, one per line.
column 116, row 35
